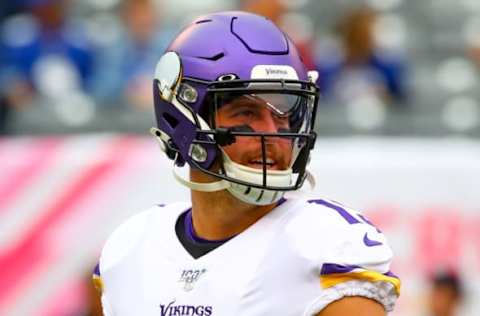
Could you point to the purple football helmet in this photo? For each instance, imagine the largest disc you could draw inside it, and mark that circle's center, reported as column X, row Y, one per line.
column 230, row 59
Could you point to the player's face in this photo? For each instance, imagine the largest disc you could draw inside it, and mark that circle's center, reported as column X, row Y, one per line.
column 255, row 114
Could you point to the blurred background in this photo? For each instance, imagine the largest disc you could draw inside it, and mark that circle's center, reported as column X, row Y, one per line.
column 398, row 126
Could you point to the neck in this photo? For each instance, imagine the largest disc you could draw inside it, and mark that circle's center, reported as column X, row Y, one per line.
column 219, row 215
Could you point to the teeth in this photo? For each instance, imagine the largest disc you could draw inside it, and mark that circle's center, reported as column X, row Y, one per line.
column 268, row 162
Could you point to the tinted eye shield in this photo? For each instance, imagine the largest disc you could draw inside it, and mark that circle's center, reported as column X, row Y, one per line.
column 280, row 105
column 264, row 86
column 257, row 87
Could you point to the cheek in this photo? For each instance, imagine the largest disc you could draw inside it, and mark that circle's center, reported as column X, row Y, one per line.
column 237, row 149
column 286, row 149
column 284, row 144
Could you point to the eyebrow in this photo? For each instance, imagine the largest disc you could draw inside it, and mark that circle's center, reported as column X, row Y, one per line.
column 241, row 101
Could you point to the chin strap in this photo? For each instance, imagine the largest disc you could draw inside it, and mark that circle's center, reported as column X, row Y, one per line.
column 221, row 184
column 311, row 180
column 163, row 139
column 199, row 186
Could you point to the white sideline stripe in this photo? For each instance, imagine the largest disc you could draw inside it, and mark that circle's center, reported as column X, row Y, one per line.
column 114, row 201
column 75, row 155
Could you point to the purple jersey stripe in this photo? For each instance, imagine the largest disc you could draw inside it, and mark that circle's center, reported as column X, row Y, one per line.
column 347, row 216
column 391, row 274
column 330, row 268
column 281, row 201
column 96, row 271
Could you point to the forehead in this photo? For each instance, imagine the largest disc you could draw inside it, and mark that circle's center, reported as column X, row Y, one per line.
column 280, row 104
column 232, row 102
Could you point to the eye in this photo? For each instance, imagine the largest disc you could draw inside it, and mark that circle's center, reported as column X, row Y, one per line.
column 282, row 121
column 244, row 113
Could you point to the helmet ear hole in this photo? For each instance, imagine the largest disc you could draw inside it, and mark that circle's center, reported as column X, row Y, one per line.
column 172, row 122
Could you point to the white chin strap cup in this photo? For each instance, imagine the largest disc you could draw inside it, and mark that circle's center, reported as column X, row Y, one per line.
column 250, row 194
column 198, row 186
column 244, row 193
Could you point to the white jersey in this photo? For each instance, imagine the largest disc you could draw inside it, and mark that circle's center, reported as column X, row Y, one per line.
column 294, row 261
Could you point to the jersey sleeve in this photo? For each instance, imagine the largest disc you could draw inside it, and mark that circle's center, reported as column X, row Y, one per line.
column 355, row 259
column 118, row 246
column 116, row 272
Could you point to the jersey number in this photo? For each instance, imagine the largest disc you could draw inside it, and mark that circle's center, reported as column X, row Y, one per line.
column 358, row 219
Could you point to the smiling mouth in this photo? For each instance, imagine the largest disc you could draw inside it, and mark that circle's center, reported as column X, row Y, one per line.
column 258, row 164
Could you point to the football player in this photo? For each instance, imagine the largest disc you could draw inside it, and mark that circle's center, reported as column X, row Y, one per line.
column 234, row 102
